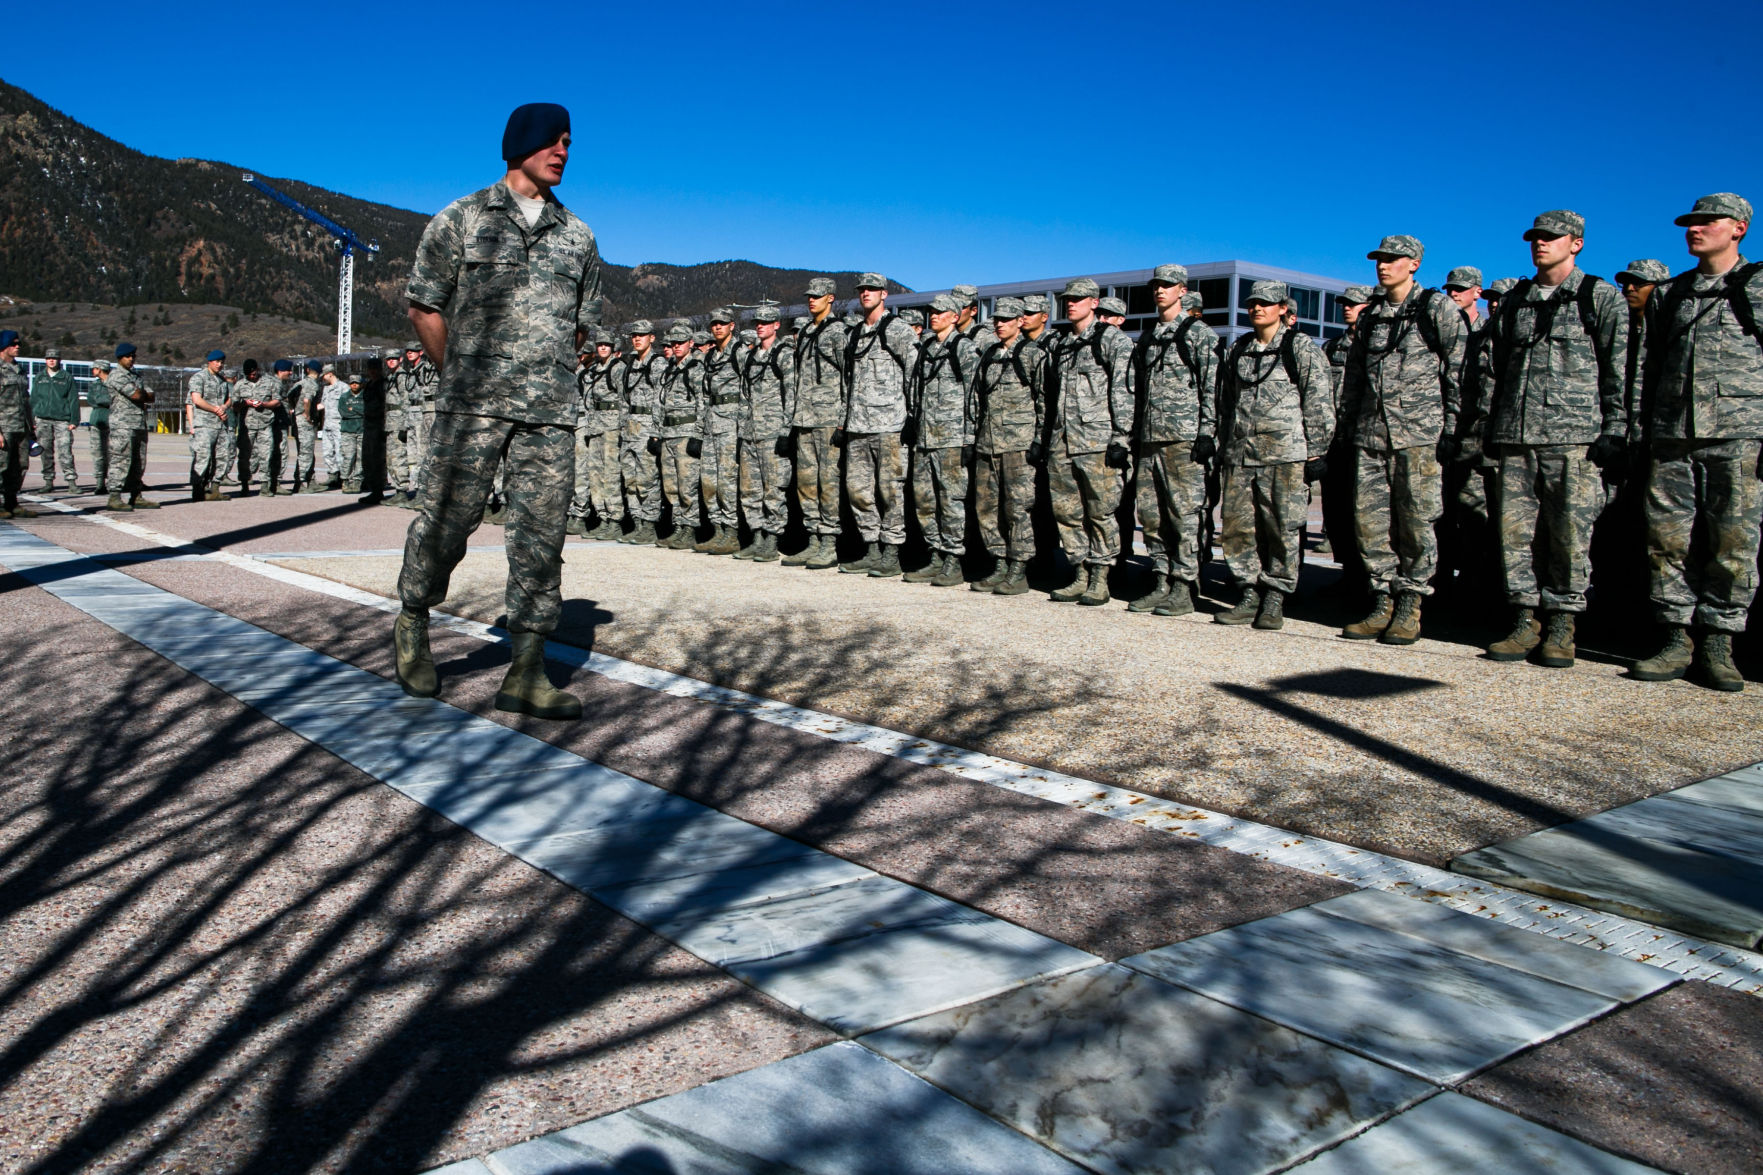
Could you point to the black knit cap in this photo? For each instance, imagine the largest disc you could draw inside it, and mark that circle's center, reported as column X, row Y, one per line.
column 532, row 127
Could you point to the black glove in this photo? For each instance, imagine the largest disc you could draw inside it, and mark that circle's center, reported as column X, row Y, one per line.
column 967, row 454
column 839, row 438
column 1316, row 469
column 1118, row 456
column 785, row 446
column 908, row 434
column 694, row 448
column 1610, row 454
column 1037, row 453
column 654, row 446
column 1448, row 449
column 1205, row 448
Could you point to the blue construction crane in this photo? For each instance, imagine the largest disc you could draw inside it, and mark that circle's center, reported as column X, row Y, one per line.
column 347, row 243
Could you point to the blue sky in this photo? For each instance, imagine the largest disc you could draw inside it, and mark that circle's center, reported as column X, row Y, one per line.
column 946, row 143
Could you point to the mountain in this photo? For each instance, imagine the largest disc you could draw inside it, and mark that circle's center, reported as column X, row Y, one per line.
column 84, row 219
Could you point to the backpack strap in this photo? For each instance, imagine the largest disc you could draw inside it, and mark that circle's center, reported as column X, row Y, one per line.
column 1738, row 293
column 881, row 336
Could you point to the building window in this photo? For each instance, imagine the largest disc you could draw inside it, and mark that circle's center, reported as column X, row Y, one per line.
column 1139, row 299
column 1309, row 302
column 1215, row 291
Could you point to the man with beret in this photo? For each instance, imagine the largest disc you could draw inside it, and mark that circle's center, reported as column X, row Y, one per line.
column 259, row 400
column 880, row 356
column 1010, row 405
column 599, row 425
column 14, row 427
column 679, row 426
column 98, row 424
column 1400, row 400
column 768, row 379
column 640, row 388
column 210, row 406
column 1091, row 409
column 816, row 413
column 55, row 402
column 1702, row 407
column 1558, row 426
column 939, row 433
column 130, row 398
column 308, row 398
column 1175, row 370
column 504, row 287
column 719, row 473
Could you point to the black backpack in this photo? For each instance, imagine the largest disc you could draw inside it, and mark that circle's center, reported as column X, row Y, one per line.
column 1734, row 292
column 880, row 335
column 1288, row 357
column 1142, row 351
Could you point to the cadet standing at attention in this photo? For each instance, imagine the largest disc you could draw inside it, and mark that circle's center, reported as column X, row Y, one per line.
column 679, row 430
column 879, row 358
column 15, row 447
column 599, row 423
column 816, row 412
column 504, row 288
column 98, row 424
column 768, row 383
column 1008, row 397
column 640, row 381
column 940, row 424
column 308, row 395
column 719, row 474
column 260, row 402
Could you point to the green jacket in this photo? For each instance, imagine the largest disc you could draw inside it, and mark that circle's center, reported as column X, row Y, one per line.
column 351, row 411
column 98, row 396
column 55, row 396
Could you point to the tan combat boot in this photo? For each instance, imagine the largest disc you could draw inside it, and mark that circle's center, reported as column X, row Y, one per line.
column 726, row 542
column 526, row 689
column 926, row 573
column 1245, row 609
column 887, row 562
column 410, row 650
column 860, row 565
column 825, row 555
column 950, row 575
column 116, row 503
column 1714, row 659
column 806, row 553
column 1404, row 626
column 991, row 580
column 1096, row 592
column 143, row 502
column 1015, row 581
column 1670, row 662
column 1378, row 619
column 1160, row 588
column 1179, row 601
column 1079, row 584
column 1272, row 615
column 1526, row 634
column 1557, row 648
column 767, row 552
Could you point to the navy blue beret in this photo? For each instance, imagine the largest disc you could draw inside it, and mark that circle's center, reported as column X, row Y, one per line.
column 123, row 349
column 284, row 365
column 532, row 127
column 248, row 366
column 7, row 338
column 217, row 353
column 314, row 366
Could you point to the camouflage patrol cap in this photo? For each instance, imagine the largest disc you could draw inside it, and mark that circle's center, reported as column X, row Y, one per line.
column 1355, row 295
column 820, row 287
column 1081, row 287
column 1646, row 272
column 1112, row 306
column 412, row 345
column 1464, row 277
column 912, row 316
column 641, row 326
column 702, row 338
column 966, row 295
column 1400, row 245
column 946, row 304
column 354, row 378
column 1272, row 293
column 1192, row 300
column 328, row 369
column 1035, row 304
column 1559, row 222
column 767, row 314
column 1008, row 308
column 724, row 314
column 391, row 353
column 1501, row 287
column 1175, row 275
column 229, row 373
column 51, row 353
column 1716, row 206
column 600, row 337
column 800, row 321
column 679, row 332
column 872, row 281
column 749, row 336
column 100, row 365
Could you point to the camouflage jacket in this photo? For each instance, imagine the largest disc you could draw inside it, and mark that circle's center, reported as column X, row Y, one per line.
column 1704, row 377
column 1399, row 392
column 428, row 380
column 600, row 399
column 1547, row 381
column 1268, row 419
column 125, row 414
column 328, row 395
column 1640, row 332
column 680, row 409
column 640, row 391
column 941, row 391
column 1092, row 398
column 881, row 360
column 722, row 386
column 1008, row 392
column 396, row 393
column 216, row 391
column 768, row 380
column 267, row 387
column 98, row 398
column 54, row 396
column 1176, row 378
column 515, row 299
column 819, row 393
column 307, row 394
column 14, row 397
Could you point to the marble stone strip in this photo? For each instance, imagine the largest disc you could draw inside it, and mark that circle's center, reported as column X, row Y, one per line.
column 1554, row 916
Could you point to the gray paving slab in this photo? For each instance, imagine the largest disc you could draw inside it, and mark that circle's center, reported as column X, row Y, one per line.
column 1451, row 1134
column 1702, row 827
column 1424, row 1008
column 443, row 757
column 1738, row 791
column 1523, row 950
column 372, row 719
column 464, row 1167
column 839, row 1110
column 701, row 895
column 526, row 806
column 683, row 843
column 1125, row 1073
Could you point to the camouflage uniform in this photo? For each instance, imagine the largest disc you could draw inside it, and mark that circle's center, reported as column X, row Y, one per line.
column 1399, row 397
column 403, row 433
column 640, row 394
column 943, row 411
column 333, row 448
column 55, row 402
column 420, row 415
column 816, row 409
column 1272, row 424
column 263, row 428
column 1551, row 389
column 879, row 359
column 15, row 457
column 1337, row 482
column 681, row 421
column 768, row 381
column 718, row 468
column 1010, row 402
column 1177, row 371
column 128, row 432
column 207, row 429
column 598, row 428
column 1092, row 408
column 98, row 425
column 516, row 299
column 308, row 394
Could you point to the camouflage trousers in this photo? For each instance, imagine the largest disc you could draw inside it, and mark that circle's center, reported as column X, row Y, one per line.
column 642, row 481
column 56, row 437
column 1547, row 498
column 306, row 439
column 679, row 481
column 939, row 498
column 128, row 460
column 1704, row 507
column 1397, row 497
column 263, row 450
column 98, row 448
column 424, row 448
column 598, row 484
column 764, row 476
column 462, row 458
column 1261, row 516
column 349, row 457
column 333, row 448
column 818, row 486
column 1085, row 495
column 205, row 451
column 1004, row 499
column 1172, row 496
column 226, row 449
column 15, row 458
column 719, row 477
column 875, row 478
column 416, row 437
column 397, row 450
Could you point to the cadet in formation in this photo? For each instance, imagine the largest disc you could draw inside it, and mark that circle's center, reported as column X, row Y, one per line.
column 1009, row 398
column 641, row 377
column 308, row 398
column 880, row 354
column 768, row 384
column 15, row 454
column 719, row 433
column 599, row 425
column 677, row 443
column 816, row 416
column 98, row 424
column 259, row 400
column 939, row 432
